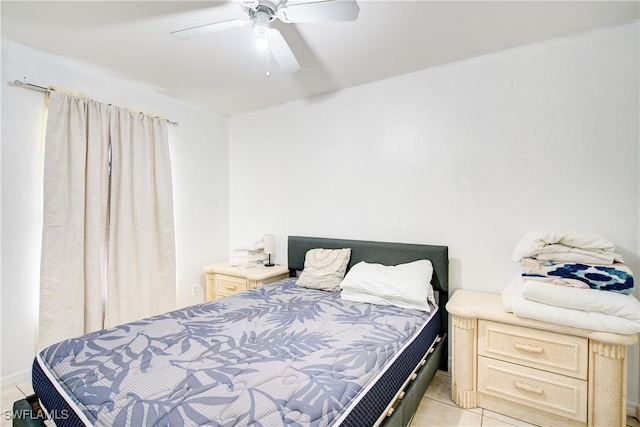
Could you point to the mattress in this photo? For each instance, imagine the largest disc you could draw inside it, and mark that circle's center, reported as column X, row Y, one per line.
column 280, row 354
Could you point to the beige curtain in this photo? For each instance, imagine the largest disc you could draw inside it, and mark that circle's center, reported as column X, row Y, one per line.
column 80, row 265
column 141, row 237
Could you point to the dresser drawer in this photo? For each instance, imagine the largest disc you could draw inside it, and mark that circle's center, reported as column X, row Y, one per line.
column 550, row 351
column 229, row 285
column 557, row 394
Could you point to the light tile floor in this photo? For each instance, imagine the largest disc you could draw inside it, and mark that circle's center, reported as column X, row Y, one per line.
column 438, row 410
column 10, row 394
column 435, row 410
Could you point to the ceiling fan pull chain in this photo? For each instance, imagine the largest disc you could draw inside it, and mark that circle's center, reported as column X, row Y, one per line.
column 267, row 53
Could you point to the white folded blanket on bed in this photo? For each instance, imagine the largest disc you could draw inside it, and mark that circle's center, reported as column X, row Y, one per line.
column 514, row 301
column 566, row 247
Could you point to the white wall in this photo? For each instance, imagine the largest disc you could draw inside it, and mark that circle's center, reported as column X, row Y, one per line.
column 199, row 151
column 470, row 155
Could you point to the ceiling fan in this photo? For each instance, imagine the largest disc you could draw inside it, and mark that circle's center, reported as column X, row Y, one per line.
column 262, row 12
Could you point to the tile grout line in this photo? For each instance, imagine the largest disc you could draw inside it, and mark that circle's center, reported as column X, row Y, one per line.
column 20, row 390
column 453, row 405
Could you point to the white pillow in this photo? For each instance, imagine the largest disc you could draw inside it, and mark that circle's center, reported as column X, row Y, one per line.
column 373, row 299
column 324, row 268
column 409, row 282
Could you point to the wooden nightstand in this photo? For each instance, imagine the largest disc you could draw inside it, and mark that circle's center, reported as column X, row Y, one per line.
column 224, row 280
column 539, row 372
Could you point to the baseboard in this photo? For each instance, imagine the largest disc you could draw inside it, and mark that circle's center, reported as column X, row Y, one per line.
column 15, row 378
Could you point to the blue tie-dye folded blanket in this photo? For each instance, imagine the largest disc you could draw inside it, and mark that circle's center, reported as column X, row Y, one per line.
column 615, row 278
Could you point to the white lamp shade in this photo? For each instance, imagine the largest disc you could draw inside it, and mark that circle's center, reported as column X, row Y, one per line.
column 269, row 244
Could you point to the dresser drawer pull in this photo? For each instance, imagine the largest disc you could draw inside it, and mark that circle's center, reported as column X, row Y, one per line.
column 528, row 348
column 231, row 287
column 528, row 387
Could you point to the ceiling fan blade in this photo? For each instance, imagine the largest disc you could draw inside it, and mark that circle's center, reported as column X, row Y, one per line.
column 281, row 51
column 322, row 11
column 208, row 28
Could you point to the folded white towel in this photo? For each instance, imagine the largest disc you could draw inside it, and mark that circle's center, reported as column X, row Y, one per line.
column 576, row 318
column 514, row 302
column 251, row 243
column 242, row 262
column 576, row 246
column 560, row 253
column 246, row 257
column 512, row 294
column 248, row 254
column 612, row 303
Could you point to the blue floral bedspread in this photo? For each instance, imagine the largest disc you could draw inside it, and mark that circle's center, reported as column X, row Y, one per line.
column 276, row 355
column 614, row 278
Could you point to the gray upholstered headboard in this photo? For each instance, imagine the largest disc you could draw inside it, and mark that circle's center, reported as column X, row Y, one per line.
column 376, row 252
column 381, row 253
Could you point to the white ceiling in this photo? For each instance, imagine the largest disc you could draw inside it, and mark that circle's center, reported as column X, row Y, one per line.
column 226, row 73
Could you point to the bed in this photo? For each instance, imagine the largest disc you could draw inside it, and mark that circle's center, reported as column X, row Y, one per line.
column 279, row 354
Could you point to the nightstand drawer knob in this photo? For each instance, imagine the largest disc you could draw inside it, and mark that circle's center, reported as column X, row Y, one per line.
column 527, row 387
column 528, row 348
column 231, row 287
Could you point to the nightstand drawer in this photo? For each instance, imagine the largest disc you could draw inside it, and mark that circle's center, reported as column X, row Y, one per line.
column 224, row 279
column 534, row 388
column 229, row 285
column 550, row 351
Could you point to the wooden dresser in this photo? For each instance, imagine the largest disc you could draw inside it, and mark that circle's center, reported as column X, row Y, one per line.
column 539, row 372
column 224, row 280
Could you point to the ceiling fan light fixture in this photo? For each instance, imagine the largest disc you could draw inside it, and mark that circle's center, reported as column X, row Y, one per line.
column 262, row 12
column 262, row 43
column 260, row 30
column 260, row 20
